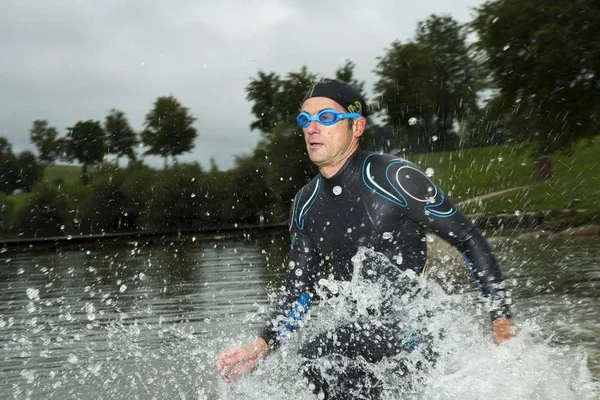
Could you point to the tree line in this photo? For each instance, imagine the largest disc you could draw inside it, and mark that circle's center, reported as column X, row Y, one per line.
column 528, row 76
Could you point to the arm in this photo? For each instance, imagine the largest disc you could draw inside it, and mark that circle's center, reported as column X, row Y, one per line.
column 291, row 306
column 301, row 276
column 426, row 204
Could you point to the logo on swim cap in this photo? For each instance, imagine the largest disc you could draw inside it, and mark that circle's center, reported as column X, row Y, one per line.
column 341, row 92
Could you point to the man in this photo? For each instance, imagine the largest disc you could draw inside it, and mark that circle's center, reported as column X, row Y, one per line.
column 361, row 199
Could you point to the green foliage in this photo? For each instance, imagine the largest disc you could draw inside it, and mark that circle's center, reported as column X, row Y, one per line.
column 426, row 86
column 263, row 93
column 86, row 143
column 169, row 129
column 346, row 74
column 250, row 188
column 138, row 188
column 289, row 166
column 121, row 138
column 61, row 174
column 277, row 100
column 179, row 200
column 7, row 213
column 46, row 140
column 17, row 172
column 575, row 183
column 105, row 203
column 30, row 171
column 45, row 212
column 540, row 59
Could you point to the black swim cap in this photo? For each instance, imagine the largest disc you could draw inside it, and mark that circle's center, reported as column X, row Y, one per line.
column 340, row 92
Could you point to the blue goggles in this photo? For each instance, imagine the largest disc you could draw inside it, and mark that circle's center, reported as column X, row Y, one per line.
column 324, row 117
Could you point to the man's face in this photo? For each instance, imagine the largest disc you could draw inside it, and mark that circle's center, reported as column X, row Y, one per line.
column 327, row 145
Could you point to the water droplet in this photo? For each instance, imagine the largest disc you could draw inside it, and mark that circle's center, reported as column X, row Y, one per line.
column 298, row 272
column 434, row 138
column 122, row 288
column 506, row 47
column 193, row 195
column 73, row 359
column 388, row 235
column 33, row 294
column 495, row 20
column 429, row 172
column 412, row 121
column 399, row 259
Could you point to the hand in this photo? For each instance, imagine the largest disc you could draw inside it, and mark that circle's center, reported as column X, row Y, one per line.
column 235, row 362
column 503, row 329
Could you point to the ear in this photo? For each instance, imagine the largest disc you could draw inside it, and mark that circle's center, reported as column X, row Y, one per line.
column 358, row 128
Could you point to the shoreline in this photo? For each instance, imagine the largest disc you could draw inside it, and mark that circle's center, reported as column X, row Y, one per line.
column 538, row 224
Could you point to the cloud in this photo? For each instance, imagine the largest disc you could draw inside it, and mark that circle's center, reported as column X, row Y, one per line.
column 66, row 61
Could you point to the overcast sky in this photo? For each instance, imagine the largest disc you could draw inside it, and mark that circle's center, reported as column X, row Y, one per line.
column 67, row 60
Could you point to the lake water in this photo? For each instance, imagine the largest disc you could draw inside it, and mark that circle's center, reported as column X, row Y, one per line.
column 147, row 321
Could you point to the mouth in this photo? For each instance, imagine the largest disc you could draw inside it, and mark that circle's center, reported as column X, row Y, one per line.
column 314, row 145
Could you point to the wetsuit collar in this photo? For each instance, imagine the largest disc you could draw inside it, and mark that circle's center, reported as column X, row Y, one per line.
column 351, row 167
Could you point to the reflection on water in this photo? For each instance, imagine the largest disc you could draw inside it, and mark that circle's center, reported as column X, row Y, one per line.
column 147, row 321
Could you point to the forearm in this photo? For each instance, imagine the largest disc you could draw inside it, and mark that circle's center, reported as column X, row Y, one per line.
column 485, row 271
column 293, row 303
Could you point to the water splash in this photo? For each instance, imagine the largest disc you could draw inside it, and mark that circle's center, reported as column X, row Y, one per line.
column 467, row 364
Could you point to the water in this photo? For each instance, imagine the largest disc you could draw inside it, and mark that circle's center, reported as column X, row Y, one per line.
column 143, row 322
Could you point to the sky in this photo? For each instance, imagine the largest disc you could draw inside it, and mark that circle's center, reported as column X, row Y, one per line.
column 73, row 60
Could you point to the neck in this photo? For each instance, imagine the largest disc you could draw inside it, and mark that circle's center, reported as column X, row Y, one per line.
column 330, row 170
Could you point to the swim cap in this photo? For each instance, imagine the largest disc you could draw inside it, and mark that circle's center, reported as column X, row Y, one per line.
column 340, row 92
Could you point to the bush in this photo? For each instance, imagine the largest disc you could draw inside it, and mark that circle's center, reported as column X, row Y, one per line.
column 179, row 199
column 45, row 212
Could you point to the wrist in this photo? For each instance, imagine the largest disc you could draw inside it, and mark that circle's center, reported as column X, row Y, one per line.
column 261, row 346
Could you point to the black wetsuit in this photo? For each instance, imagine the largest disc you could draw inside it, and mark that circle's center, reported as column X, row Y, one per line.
column 386, row 203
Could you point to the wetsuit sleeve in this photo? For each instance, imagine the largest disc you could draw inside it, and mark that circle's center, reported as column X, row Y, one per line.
column 296, row 297
column 427, row 205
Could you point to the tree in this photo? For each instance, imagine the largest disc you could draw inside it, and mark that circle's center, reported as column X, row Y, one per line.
column 262, row 92
column 404, row 91
column 169, row 130
column 8, row 167
column 46, row 140
column 277, row 100
column 251, row 189
column 45, row 212
column 455, row 78
column 541, row 59
column 29, row 170
column 346, row 74
column 86, row 143
column 290, row 167
column 428, row 86
column 121, row 138
column 17, row 171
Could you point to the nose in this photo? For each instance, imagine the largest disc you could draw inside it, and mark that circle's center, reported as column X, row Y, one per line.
column 313, row 128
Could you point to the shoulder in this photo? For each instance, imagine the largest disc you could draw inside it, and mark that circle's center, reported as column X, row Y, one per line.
column 303, row 201
column 381, row 162
column 397, row 179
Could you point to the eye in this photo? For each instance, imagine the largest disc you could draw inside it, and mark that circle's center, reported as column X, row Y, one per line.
column 302, row 120
column 328, row 117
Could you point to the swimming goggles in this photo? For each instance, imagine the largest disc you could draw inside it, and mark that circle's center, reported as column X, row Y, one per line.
column 325, row 117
